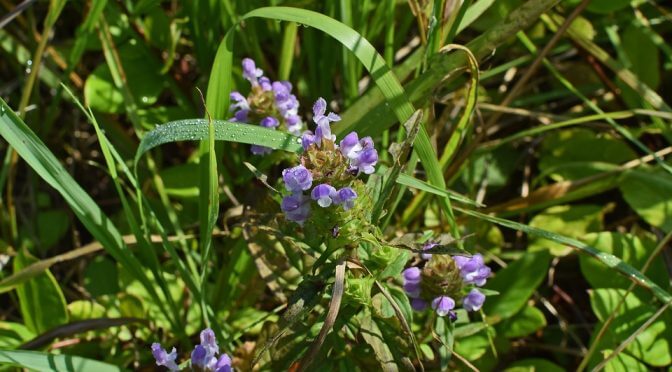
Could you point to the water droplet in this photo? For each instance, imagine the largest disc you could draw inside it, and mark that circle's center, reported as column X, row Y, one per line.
column 2, row 110
column 145, row 99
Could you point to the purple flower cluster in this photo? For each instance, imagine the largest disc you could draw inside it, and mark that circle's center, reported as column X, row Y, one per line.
column 323, row 123
column 473, row 272
column 296, row 205
column 203, row 357
column 472, row 269
column 283, row 110
column 361, row 153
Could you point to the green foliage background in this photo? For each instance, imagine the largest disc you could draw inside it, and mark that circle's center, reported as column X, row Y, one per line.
column 543, row 130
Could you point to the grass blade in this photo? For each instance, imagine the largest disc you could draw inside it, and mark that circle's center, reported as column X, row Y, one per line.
column 197, row 129
column 52, row 362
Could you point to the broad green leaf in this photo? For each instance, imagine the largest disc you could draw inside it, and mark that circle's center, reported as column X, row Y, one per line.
column 649, row 193
column 516, row 283
column 524, row 323
column 583, row 27
column 157, row 25
column 181, row 181
column 52, row 362
column 623, row 363
column 82, row 310
column 100, row 92
column 372, row 335
column 630, row 249
column 142, row 74
column 51, row 226
column 568, row 155
column 607, row 6
column 534, row 365
column 493, row 167
column 474, row 346
column 642, row 59
column 41, row 299
column 652, row 346
column 101, row 277
column 568, row 220
column 131, row 306
column 445, row 331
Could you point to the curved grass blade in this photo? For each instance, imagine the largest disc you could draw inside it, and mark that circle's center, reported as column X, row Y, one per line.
column 208, row 205
column 51, row 362
column 197, row 129
column 607, row 259
column 410, row 181
column 472, row 95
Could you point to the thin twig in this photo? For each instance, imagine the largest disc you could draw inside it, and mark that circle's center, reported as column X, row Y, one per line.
column 15, row 12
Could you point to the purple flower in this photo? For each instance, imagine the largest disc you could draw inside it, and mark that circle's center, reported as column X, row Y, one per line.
column 350, row 145
column 307, row 139
column 411, row 275
column 472, row 269
column 163, row 358
column 288, row 106
column 473, row 301
column 363, row 156
column 412, row 289
column 418, row 304
column 323, row 130
column 346, row 196
column 238, row 102
column 443, row 305
column 223, row 364
column 198, row 356
column 427, row 246
column 282, row 90
column 265, row 83
column 324, row 194
column 260, row 150
column 240, row 116
column 269, row 122
column 294, row 124
column 366, row 142
column 250, row 71
column 366, row 161
column 296, row 207
column 297, row 179
column 209, row 342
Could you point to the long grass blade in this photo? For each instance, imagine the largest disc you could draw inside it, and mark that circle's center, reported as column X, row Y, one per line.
column 52, row 362
column 605, row 258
